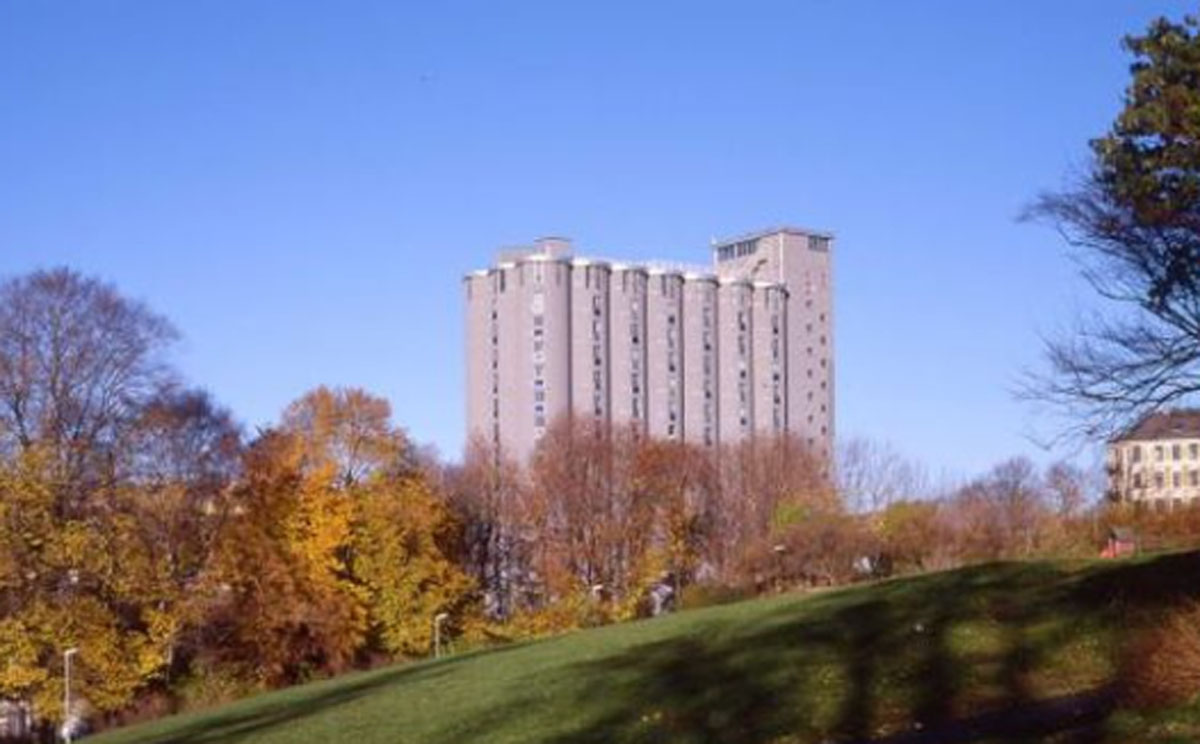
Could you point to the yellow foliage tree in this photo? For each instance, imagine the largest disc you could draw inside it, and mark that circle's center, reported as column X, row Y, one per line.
column 345, row 428
column 396, row 558
column 400, row 558
column 280, row 586
column 73, row 581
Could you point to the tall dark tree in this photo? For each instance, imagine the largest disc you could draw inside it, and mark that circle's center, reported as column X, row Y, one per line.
column 485, row 494
column 78, row 362
column 181, row 437
column 1134, row 220
column 175, row 469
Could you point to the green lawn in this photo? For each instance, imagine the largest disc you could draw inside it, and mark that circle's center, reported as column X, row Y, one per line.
column 1007, row 652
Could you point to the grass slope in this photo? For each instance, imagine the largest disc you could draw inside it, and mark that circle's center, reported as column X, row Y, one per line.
column 1006, row 652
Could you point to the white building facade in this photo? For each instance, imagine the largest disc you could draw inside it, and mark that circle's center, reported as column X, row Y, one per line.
column 1157, row 462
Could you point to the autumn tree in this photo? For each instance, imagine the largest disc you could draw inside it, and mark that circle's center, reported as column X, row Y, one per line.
column 678, row 484
column 767, row 484
column 73, row 582
column 569, row 508
column 916, row 536
column 349, row 429
column 1002, row 514
column 282, row 604
column 137, row 529
column 339, row 547
column 404, row 537
column 608, row 513
column 1134, row 222
column 80, row 368
column 485, row 494
column 820, row 549
column 1067, row 489
column 870, row 476
column 175, row 467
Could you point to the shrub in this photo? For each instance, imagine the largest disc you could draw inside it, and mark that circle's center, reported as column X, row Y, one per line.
column 708, row 595
column 209, row 685
column 1161, row 662
column 571, row 612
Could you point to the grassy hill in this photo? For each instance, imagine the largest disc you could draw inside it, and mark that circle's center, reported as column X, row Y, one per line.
column 1006, row 652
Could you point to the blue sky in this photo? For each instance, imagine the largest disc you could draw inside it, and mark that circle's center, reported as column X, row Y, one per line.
column 299, row 186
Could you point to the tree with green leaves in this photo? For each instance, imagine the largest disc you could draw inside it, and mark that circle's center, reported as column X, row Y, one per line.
column 1134, row 222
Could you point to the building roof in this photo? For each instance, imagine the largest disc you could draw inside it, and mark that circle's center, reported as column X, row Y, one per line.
column 756, row 234
column 1183, row 423
column 1124, row 534
column 561, row 250
column 656, row 267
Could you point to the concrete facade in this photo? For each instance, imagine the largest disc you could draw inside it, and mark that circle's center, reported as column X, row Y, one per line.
column 627, row 346
column 709, row 357
column 701, row 420
column 664, row 354
column 735, row 329
column 768, row 349
column 802, row 262
column 590, row 364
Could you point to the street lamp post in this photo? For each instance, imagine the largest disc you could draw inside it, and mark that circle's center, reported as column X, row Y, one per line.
column 438, row 619
column 779, row 550
column 66, row 726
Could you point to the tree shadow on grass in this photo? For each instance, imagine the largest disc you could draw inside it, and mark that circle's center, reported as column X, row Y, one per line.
column 1077, row 718
column 891, row 664
column 1149, row 584
column 684, row 690
column 994, row 653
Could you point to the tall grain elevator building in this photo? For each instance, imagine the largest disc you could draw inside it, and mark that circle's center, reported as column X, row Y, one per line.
column 704, row 355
